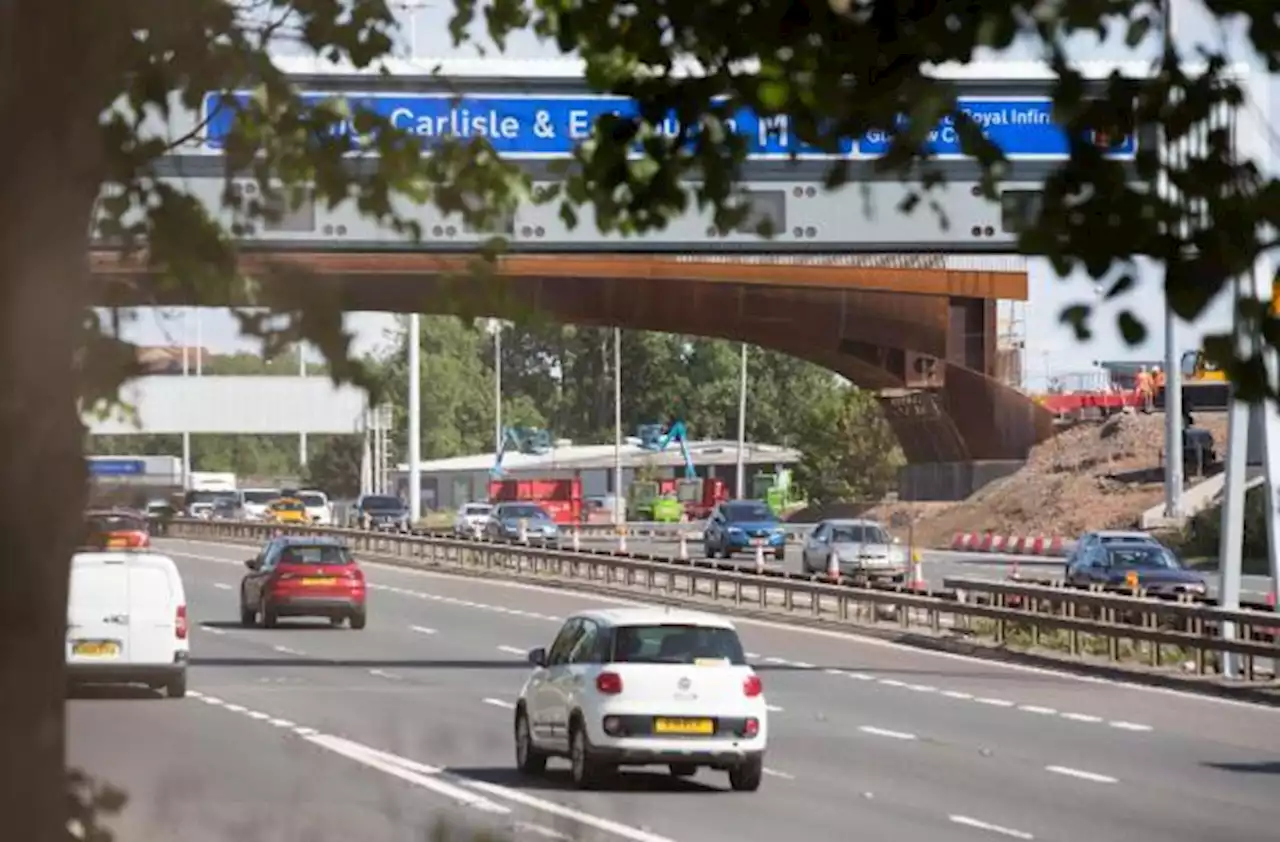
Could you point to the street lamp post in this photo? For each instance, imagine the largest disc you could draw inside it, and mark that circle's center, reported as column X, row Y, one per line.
column 742, row 426
column 415, row 419
column 617, row 427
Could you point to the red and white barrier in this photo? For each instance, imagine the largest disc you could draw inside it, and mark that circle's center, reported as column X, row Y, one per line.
column 990, row 542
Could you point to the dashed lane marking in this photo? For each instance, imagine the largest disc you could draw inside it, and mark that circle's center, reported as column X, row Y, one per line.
column 222, row 586
column 993, row 828
column 1081, row 774
column 884, row 732
column 511, row 650
column 422, row 630
column 499, row 703
column 966, row 697
column 384, row 674
column 774, row 773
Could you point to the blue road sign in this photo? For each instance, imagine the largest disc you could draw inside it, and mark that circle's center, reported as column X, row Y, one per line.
column 549, row 127
column 108, row 467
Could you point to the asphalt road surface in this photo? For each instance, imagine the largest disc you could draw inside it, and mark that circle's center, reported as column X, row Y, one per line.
column 938, row 564
column 332, row 735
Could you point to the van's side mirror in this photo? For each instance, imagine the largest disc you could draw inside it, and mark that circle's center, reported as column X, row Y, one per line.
column 253, row 563
column 538, row 657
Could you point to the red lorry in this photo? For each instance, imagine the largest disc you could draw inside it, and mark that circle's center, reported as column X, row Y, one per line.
column 561, row 498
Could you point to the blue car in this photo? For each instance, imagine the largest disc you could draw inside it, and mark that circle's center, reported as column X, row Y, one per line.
column 512, row 521
column 741, row 526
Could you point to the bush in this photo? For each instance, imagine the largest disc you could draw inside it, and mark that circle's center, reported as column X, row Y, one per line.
column 1203, row 532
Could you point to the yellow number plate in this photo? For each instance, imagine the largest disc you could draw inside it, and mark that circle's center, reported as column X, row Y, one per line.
column 684, row 726
column 325, row 581
column 117, row 542
column 96, row 648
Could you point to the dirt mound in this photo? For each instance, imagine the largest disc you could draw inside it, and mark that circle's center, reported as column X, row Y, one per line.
column 1093, row 476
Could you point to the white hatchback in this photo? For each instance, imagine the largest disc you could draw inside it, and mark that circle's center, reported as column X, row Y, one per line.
column 639, row 687
column 127, row 621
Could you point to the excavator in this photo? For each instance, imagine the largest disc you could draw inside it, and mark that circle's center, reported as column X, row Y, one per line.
column 1204, row 385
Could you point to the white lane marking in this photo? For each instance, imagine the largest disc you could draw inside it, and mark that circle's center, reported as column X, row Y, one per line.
column 998, row 703
column 993, row 828
column 773, row 660
column 843, row 636
column 860, row 676
column 426, row 777
column 1130, row 726
column 222, row 586
column 236, row 708
column 881, row 732
column 511, row 650
column 257, row 714
column 774, row 773
column 305, row 732
column 803, row 665
column 1037, row 709
column 1080, row 717
column 285, row 650
column 634, row 834
column 539, row 830
column 1080, row 773
column 892, row 682
column 752, row 655
column 922, row 688
column 830, row 671
column 499, row 703
column 211, row 700
column 422, row 630
column 211, row 630
column 384, row 674
column 956, row 694
column 773, row 708
column 281, row 723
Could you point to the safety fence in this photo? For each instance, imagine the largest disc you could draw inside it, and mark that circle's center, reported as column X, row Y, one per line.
column 1169, row 635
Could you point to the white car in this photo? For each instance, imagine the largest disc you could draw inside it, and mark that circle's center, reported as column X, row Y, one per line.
column 472, row 519
column 639, row 687
column 254, row 502
column 318, row 508
column 127, row 621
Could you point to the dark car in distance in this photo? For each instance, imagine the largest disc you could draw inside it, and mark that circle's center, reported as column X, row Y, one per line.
column 1117, row 564
column 380, row 512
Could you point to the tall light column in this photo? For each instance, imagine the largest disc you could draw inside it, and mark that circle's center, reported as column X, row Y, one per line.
column 496, row 326
column 617, row 427
column 740, row 486
column 302, row 434
column 186, row 367
column 1173, row 466
column 415, row 419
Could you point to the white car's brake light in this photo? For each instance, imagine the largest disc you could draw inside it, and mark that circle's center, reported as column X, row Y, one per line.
column 609, row 683
column 752, row 687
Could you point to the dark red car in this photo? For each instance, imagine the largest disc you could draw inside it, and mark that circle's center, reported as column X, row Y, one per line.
column 115, row 529
column 300, row 576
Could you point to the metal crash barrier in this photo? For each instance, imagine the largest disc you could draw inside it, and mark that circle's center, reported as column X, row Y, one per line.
column 1127, row 630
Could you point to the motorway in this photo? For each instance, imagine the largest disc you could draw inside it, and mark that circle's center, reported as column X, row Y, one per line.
column 330, row 735
column 937, row 564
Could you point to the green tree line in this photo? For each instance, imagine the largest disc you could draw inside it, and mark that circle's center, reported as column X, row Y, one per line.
column 560, row 378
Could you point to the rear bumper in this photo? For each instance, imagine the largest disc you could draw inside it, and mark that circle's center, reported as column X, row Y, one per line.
column 720, row 758
column 315, row 606
column 744, row 544
column 93, row 673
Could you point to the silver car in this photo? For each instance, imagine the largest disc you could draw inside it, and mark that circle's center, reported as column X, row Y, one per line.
column 862, row 549
column 471, row 520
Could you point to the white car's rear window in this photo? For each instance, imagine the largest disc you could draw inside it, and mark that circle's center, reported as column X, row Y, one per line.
column 476, row 509
column 676, row 644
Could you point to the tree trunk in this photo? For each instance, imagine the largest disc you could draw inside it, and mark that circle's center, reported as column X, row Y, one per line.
column 49, row 159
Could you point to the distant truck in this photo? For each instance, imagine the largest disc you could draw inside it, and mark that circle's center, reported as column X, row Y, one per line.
column 561, row 498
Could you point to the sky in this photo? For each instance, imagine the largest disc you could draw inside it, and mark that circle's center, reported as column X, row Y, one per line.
column 1051, row 348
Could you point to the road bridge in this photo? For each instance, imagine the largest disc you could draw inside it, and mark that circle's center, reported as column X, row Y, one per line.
column 831, row 286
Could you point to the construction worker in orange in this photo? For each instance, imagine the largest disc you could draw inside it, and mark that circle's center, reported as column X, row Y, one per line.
column 1145, row 387
column 1157, row 382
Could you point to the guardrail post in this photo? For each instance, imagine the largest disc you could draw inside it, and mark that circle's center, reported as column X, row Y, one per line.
column 577, row 540
column 759, row 559
column 684, row 547
column 622, row 539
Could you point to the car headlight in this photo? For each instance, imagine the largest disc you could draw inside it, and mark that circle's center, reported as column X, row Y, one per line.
column 733, row 530
column 896, row 555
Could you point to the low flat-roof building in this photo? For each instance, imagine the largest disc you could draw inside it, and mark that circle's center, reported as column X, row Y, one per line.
column 448, row 483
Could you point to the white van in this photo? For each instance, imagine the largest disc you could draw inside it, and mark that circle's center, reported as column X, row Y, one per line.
column 127, row 621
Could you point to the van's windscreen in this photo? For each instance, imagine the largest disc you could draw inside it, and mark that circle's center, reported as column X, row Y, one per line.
column 97, row 524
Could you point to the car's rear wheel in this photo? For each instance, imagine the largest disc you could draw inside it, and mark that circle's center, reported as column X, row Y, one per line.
column 683, row 770
column 584, row 771
column 745, row 777
column 337, row 620
column 176, row 687
column 529, row 760
column 269, row 617
column 358, row 619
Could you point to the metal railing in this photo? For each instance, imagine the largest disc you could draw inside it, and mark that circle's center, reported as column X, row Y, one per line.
column 1176, row 636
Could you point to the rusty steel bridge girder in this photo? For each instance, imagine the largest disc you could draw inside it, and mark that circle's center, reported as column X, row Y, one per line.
column 921, row 336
